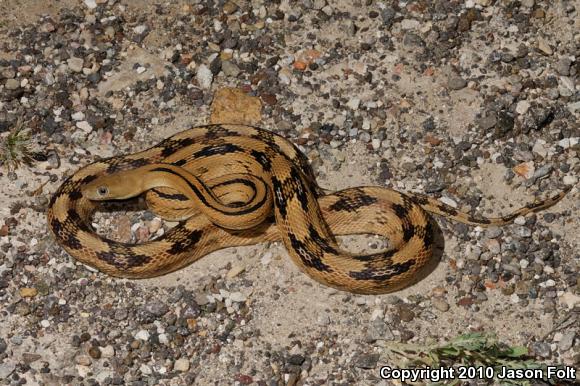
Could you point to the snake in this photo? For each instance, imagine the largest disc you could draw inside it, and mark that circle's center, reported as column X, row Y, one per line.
column 232, row 185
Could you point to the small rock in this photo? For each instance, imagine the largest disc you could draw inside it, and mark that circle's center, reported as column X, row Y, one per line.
column 542, row 349
column 493, row 232
column 6, row 369
column 235, row 271
column 410, row 24
column 83, row 360
column 84, row 126
column 94, row 352
column 525, row 169
column 204, row 77
column 12, row 84
column 353, row 103
column 237, row 297
column 566, row 341
column 157, row 308
column 230, row 69
column 182, row 364
column 27, row 292
column 107, row 351
column 91, row 4
column 522, row 107
column 78, row 116
column 487, row 122
column 366, row 361
column 570, row 180
column 145, row 370
column 142, row 335
column 440, row 304
column 140, row 29
column 563, row 66
column 455, row 82
column 544, row 47
column 75, row 64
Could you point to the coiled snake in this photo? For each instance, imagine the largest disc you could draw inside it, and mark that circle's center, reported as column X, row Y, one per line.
column 232, row 185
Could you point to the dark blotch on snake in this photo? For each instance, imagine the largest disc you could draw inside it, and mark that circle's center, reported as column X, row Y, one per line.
column 262, row 159
column 400, row 210
column 308, row 259
column 408, row 230
column 225, row 148
column 188, row 243
column 279, row 196
column 388, row 273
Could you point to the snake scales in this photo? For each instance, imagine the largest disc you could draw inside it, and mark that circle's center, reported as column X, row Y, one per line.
column 232, row 185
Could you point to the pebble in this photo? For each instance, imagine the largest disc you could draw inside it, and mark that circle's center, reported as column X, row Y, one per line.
column 145, row 370
column 182, row 365
column 493, row 232
column 6, row 369
column 142, row 335
column 12, row 84
column 366, row 361
column 75, row 64
column 83, row 360
column 522, row 107
column 542, row 349
column 544, row 46
column 410, row 24
column 566, row 86
column 204, row 77
column 235, row 271
column 28, row 292
column 230, row 69
column 455, row 82
column 84, row 126
column 91, row 4
column 566, row 341
column 353, row 103
column 570, row 180
column 107, row 351
column 440, row 304
column 237, row 297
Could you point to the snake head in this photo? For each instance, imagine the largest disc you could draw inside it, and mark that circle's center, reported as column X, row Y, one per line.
column 98, row 191
column 117, row 186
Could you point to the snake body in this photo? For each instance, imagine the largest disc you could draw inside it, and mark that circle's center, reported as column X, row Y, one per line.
column 233, row 185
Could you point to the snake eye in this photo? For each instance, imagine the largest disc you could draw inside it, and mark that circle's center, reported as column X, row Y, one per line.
column 102, row 190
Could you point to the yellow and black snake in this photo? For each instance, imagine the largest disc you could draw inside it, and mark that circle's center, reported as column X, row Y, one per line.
column 232, row 185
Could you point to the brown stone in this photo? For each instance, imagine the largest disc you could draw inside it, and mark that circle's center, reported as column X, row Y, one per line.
column 231, row 105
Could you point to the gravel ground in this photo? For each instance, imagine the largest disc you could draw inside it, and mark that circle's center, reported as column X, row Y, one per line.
column 475, row 102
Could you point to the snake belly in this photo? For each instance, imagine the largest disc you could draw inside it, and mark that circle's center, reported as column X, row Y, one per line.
column 304, row 219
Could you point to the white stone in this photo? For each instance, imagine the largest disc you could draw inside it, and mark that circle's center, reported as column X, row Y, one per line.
column 569, row 299
column 145, row 370
column 78, row 116
column 75, row 64
column 408, row 24
column 448, row 201
column 570, row 180
column 84, row 126
column 91, row 4
column 182, row 364
column 522, row 107
column 45, row 323
column 83, row 370
column 107, row 351
column 140, row 29
column 353, row 103
column 237, row 297
column 142, row 335
column 204, row 77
